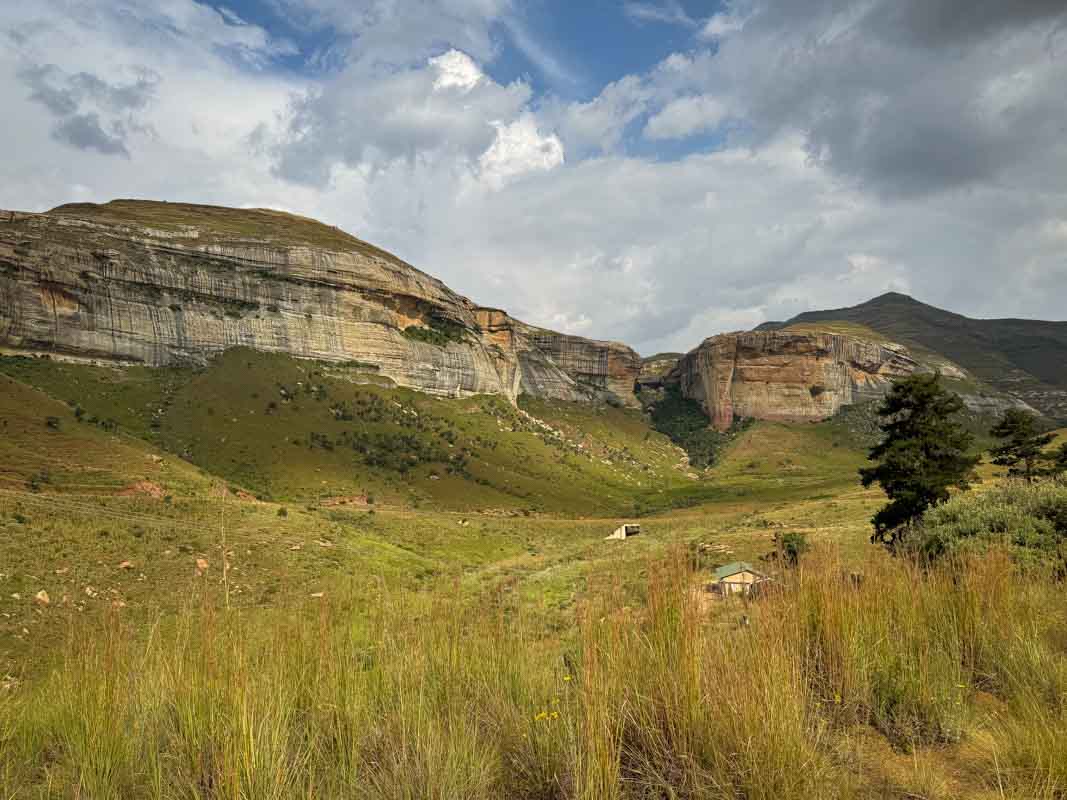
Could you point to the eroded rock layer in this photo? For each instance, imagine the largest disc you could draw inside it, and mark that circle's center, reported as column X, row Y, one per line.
column 787, row 376
column 561, row 366
column 165, row 283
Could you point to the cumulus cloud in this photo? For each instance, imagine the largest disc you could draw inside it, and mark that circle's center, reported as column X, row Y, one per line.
column 519, row 148
column 686, row 116
column 456, row 70
column 435, row 110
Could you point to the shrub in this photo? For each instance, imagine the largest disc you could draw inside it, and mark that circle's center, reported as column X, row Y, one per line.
column 1029, row 519
column 438, row 332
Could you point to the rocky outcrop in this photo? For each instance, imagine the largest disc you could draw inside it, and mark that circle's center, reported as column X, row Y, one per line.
column 655, row 369
column 787, row 376
column 560, row 366
column 165, row 283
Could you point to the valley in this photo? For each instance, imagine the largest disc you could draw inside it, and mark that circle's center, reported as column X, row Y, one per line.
column 282, row 516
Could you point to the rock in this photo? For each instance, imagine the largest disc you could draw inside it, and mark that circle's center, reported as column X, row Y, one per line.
column 785, row 375
column 170, row 283
column 42, row 598
column 655, row 369
column 559, row 366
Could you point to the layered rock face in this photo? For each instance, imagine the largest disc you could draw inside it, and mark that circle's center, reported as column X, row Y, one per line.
column 787, row 376
column 560, row 366
column 164, row 283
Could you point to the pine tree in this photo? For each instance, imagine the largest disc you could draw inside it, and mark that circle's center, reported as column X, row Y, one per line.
column 1023, row 447
column 922, row 455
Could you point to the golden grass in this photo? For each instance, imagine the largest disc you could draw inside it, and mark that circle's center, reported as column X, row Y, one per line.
column 435, row 696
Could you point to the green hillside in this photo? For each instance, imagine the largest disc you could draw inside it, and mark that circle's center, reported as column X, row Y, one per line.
column 1024, row 358
column 166, row 633
column 301, row 431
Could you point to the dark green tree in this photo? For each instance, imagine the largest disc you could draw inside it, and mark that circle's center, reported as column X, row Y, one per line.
column 1023, row 446
column 791, row 546
column 922, row 455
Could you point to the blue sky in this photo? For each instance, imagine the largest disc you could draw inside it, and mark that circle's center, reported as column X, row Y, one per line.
column 593, row 42
column 650, row 171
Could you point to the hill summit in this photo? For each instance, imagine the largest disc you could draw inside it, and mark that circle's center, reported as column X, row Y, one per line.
column 160, row 284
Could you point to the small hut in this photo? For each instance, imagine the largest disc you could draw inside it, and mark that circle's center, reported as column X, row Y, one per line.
column 736, row 578
column 625, row 531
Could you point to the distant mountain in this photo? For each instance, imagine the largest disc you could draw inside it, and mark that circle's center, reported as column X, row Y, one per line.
column 1024, row 358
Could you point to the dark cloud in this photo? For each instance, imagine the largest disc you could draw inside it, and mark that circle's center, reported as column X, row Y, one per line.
column 61, row 101
column 85, row 132
column 933, row 23
column 116, row 97
column 886, row 99
column 65, row 96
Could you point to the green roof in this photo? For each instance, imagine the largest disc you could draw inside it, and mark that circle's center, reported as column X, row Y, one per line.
column 732, row 569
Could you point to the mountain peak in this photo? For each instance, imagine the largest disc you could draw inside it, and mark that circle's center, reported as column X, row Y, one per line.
column 892, row 297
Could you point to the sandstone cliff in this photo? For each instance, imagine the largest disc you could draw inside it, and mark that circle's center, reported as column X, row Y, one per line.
column 168, row 283
column 560, row 366
column 788, row 376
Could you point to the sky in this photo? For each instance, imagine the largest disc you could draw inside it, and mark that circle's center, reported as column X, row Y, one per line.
column 647, row 171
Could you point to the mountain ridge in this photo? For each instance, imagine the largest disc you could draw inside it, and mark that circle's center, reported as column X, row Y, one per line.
column 1026, row 359
column 157, row 283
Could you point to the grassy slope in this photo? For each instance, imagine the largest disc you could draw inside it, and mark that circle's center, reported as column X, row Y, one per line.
column 79, row 527
column 294, row 431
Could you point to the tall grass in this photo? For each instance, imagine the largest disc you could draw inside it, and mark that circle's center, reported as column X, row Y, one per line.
column 431, row 696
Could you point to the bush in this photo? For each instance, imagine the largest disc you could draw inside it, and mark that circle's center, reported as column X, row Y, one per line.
column 438, row 332
column 684, row 422
column 1029, row 519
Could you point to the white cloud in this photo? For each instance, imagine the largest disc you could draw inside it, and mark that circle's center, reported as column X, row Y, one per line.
column 668, row 11
column 721, row 25
column 519, row 148
column 686, row 116
column 457, row 70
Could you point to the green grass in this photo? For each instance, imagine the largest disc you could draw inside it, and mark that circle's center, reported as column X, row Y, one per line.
column 300, row 431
